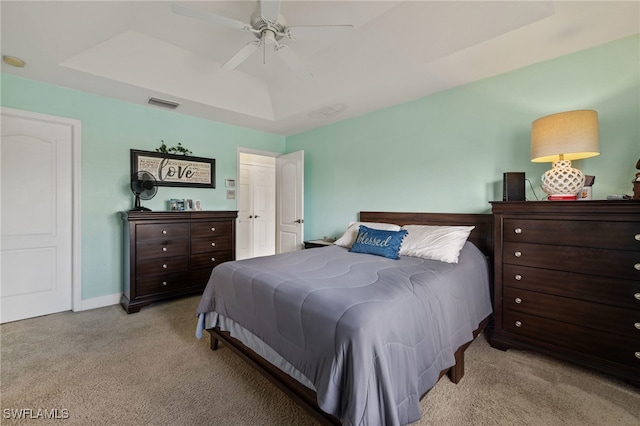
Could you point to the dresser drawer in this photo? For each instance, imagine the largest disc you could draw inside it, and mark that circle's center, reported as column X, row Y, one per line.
column 158, row 284
column 610, row 291
column 609, row 263
column 204, row 229
column 162, row 248
column 212, row 244
column 210, row 260
column 154, row 231
column 162, row 266
column 585, row 314
column 579, row 233
column 613, row 347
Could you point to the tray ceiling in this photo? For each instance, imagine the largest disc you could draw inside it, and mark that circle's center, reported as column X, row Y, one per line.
column 397, row 51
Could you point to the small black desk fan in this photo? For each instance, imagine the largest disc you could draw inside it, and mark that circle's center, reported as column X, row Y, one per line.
column 145, row 187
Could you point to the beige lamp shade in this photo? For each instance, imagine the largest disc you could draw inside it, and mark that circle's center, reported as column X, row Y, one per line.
column 568, row 135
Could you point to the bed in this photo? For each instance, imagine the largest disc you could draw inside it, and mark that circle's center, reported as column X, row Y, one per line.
column 353, row 337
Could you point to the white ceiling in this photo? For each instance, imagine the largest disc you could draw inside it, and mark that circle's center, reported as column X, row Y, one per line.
column 397, row 51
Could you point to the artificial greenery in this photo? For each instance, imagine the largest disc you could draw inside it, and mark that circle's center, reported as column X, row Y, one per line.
column 179, row 149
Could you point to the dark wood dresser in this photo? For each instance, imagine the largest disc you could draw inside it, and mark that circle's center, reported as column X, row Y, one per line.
column 169, row 254
column 567, row 282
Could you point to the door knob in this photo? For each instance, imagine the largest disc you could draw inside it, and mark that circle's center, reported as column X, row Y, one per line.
column 299, row 221
column 256, row 216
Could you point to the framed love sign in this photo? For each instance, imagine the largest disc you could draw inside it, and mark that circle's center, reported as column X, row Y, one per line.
column 175, row 170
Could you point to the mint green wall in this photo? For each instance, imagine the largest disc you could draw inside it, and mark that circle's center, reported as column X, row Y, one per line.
column 447, row 152
column 441, row 153
column 110, row 129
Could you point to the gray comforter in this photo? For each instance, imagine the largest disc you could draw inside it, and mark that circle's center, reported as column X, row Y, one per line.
column 371, row 334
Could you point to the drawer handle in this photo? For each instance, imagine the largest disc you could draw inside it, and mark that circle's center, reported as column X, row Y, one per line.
column 637, row 237
column 637, row 325
column 164, row 249
column 213, row 229
column 518, row 230
column 518, row 324
column 637, row 266
column 164, row 283
column 164, row 232
column 164, row 266
column 517, row 254
column 518, row 300
column 213, row 244
column 518, row 277
column 637, row 296
column 213, row 259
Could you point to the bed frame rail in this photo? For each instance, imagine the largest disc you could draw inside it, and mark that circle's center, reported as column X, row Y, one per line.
column 301, row 394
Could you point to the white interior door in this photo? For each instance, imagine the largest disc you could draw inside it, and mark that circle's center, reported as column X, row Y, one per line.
column 244, row 230
column 36, row 180
column 289, row 202
column 264, row 210
column 256, row 232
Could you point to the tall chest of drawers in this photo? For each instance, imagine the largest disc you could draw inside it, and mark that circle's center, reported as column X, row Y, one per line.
column 567, row 282
column 169, row 254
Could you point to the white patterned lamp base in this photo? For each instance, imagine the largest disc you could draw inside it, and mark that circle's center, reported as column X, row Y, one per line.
column 562, row 180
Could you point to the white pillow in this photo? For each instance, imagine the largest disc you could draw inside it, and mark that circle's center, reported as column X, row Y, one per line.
column 441, row 243
column 349, row 236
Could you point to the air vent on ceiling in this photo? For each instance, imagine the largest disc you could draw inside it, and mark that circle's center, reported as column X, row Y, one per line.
column 163, row 103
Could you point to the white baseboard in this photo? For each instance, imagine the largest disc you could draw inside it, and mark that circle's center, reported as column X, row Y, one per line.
column 100, row 302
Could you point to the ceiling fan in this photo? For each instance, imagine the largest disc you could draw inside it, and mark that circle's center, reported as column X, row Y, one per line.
column 269, row 27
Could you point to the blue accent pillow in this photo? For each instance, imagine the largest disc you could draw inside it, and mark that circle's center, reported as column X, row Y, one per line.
column 378, row 242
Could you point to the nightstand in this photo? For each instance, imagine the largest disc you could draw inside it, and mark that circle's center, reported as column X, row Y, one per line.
column 567, row 282
column 317, row 243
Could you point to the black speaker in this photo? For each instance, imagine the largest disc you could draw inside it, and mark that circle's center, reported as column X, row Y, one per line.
column 513, row 186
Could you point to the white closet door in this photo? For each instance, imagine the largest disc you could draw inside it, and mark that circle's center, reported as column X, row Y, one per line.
column 256, row 206
column 244, row 239
column 264, row 210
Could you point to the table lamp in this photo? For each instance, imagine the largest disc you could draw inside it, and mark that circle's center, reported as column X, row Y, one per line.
column 560, row 138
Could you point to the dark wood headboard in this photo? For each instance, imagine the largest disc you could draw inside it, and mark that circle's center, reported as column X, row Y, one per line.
column 481, row 236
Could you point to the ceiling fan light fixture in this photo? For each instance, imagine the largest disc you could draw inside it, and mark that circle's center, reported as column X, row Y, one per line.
column 269, row 37
column 269, row 27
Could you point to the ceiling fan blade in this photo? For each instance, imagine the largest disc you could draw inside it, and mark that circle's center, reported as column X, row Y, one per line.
column 290, row 58
column 181, row 9
column 314, row 32
column 242, row 55
column 270, row 10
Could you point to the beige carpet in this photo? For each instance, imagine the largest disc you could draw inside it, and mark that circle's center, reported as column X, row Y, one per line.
column 104, row 367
